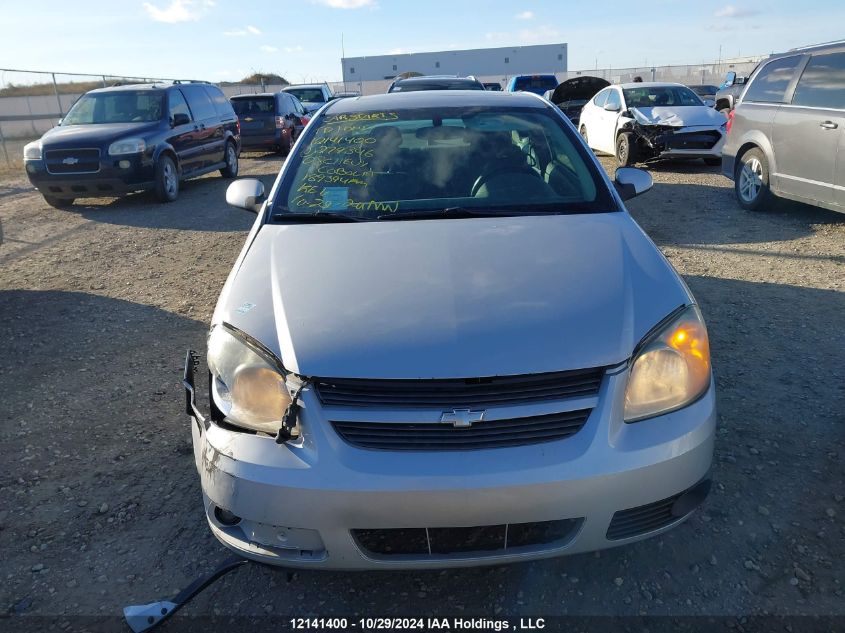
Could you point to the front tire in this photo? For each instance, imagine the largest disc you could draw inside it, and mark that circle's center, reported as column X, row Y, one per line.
column 583, row 131
column 59, row 203
column 626, row 150
column 751, row 181
column 231, row 158
column 166, row 180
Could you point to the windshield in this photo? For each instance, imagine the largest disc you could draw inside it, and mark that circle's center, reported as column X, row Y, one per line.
column 314, row 95
column 254, row 106
column 371, row 165
column 538, row 84
column 116, row 107
column 651, row 96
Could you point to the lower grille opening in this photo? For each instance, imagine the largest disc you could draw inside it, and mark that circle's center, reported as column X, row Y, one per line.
column 653, row 516
column 493, row 540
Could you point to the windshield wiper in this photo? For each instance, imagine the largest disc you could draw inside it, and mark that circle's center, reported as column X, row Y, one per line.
column 321, row 217
column 448, row 213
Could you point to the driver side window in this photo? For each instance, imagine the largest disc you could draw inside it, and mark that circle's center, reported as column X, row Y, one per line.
column 178, row 105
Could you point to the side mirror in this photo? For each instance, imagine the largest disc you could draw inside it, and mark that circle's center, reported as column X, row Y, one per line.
column 730, row 78
column 59, row 122
column 247, row 193
column 631, row 182
column 180, row 118
column 740, row 81
column 612, row 107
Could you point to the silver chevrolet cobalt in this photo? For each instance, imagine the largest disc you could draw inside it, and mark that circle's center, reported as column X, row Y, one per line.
column 447, row 343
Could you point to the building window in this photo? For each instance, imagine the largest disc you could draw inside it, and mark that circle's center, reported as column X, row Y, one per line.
column 352, row 70
column 507, row 60
column 394, row 66
column 437, row 64
column 560, row 57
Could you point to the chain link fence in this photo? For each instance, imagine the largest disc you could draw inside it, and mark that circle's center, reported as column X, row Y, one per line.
column 32, row 102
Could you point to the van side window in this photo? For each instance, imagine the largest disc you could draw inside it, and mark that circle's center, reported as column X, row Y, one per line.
column 601, row 98
column 770, row 84
column 221, row 103
column 822, row 84
column 200, row 103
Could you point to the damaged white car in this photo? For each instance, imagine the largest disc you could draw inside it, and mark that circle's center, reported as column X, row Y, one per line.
column 640, row 122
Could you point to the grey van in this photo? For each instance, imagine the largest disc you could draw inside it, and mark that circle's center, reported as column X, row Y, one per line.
column 786, row 137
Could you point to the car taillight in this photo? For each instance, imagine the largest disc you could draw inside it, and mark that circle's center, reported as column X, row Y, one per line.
column 730, row 121
column 238, row 125
column 280, row 122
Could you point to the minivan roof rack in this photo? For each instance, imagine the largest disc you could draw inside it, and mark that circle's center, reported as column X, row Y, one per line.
column 803, row 48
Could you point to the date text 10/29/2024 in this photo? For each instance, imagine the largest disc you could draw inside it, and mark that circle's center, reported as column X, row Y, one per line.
column 416, row 624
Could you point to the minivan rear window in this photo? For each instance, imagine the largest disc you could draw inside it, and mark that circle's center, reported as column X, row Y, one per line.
column 535, row 83
column 770, row 84
column 253, row 106
column 822, row 84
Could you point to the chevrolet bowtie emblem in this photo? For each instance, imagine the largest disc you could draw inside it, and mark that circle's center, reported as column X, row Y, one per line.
column 70, row 160
column 462, row 418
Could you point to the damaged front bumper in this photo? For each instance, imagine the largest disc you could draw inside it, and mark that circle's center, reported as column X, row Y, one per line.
column 666, row 141
column 321, row 502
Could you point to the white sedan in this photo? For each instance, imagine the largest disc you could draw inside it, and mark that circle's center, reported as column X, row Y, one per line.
column 639, row 122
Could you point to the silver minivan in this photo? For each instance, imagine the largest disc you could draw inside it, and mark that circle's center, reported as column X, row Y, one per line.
column 786, row 138
column 446, row 342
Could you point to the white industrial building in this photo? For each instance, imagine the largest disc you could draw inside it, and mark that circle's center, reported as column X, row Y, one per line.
column 504, row 61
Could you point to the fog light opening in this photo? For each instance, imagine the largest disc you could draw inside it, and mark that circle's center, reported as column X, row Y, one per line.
column 225, row 517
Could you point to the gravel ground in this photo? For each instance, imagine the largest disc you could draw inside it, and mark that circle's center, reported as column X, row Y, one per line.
column 100, row 503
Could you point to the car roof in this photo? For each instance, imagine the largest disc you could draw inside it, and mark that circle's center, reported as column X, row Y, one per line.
column 650, row 84
column 443, row 78
column 320, row 85
column 133, row 87
column 434, row 99
column 825, row 47
column 248, row 95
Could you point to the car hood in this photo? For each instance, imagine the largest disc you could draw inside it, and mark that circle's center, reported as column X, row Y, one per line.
column 686, row 116
column 94, row 134
column 581, row 88
column 451, row 298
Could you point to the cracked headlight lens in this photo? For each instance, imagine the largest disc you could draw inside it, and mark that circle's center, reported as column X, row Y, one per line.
column 671, row 369
column 248, row 383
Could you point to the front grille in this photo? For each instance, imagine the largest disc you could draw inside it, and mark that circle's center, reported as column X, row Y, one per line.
column 436, row 436
column 467, row 392
column 693, row 140
column 72, row 161
column 439, row 542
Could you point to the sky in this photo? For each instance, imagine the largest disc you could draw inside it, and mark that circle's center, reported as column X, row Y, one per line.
column 225, row 40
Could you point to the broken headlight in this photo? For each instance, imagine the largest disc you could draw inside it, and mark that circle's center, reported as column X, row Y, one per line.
column 247, row 381
column 671, row 368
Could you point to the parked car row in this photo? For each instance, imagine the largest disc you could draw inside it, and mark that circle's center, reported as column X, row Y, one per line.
column 128, row 138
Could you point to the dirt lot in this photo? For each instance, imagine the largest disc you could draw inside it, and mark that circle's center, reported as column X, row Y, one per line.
column 100, row 504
